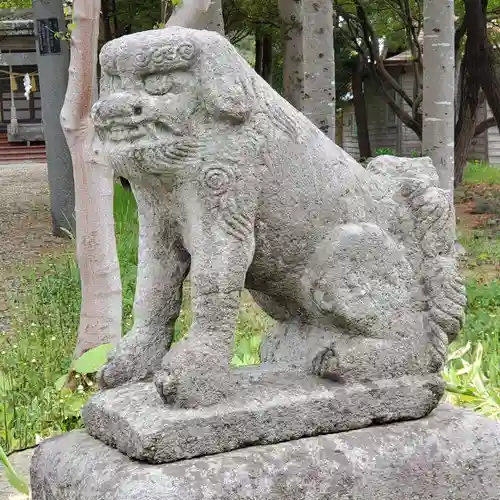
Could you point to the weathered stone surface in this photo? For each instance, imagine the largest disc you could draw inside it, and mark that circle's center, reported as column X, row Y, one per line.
column 450, row 455
column 135, row 420
column 21, row 463
column 236, row 186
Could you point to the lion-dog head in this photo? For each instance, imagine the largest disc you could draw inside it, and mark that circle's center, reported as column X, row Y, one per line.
column 163, row 92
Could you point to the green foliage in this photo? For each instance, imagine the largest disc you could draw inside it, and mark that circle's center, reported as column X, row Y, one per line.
column 92, row 361
column 473, row 371
column 15, row 4
column 481, row 173
column 384, row 151
column 467, row 383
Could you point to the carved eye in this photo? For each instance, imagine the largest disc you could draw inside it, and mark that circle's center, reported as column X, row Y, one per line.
column 157, row 84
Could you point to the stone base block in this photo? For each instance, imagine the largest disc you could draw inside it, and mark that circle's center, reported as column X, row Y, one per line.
column 452, row 454
column 263, row 408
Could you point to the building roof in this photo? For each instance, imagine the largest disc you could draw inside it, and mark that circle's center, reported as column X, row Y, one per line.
column 16, row 14
column 406, row 56
column 16, row 22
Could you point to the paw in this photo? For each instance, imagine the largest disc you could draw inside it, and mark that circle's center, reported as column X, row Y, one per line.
column 135, row 359
column 193, row 390
column 192, row 375
column 123, row 368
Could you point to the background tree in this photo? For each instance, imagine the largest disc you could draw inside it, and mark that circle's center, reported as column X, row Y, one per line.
column 53, row 75
column 319, row 103
column 199, row 14
column 101, row 308
column 439, row 88
column 373, row 28
column 309, row 62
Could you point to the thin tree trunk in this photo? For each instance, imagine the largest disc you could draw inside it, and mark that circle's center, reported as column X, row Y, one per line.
column 293, row 56
column 485, row 68
column 319, row 65
column 259, row 52
column 439, row 88
column 360, row 111
column 468, row 100
column 198, row 14
column 101, row 310
column 309, row 60
column 106, row 19
column 53, row 74
column 267, row 59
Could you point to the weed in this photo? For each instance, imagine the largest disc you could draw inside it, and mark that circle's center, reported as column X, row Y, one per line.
column 384, row 151
column 481, row 173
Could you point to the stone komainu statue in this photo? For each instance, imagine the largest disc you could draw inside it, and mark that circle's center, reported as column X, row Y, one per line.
column 238, row 188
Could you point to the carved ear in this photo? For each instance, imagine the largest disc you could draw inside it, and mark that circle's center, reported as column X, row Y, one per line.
column 226, row 83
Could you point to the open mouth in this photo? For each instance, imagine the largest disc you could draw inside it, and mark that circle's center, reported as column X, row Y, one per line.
column 123, row 132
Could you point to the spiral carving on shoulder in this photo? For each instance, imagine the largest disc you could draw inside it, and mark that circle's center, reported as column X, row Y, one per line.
column 218, row 179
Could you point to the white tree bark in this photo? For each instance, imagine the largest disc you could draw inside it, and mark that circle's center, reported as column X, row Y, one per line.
column 198, row 14
column 319, row 65
column 309, row 66
column 101, row 309
column 293, row 58
column 439, row 88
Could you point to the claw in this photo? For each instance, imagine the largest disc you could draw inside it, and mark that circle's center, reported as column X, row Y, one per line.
column 326, row 365
column 166, row 385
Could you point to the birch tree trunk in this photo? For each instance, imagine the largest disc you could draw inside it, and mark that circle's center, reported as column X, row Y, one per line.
column 293, row 57
column 101, row 309
column 309, row 60
column 318, row 100
column 439, row 88
column 198, row 14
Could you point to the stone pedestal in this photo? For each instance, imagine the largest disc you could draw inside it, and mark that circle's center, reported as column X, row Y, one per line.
column 452, row 454
column 260, row 409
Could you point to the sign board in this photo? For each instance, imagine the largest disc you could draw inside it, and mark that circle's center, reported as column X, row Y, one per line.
column 49, row 41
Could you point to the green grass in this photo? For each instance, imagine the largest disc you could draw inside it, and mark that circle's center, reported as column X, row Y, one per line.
column 481, row 173
column 482, row 246
column 46, row 314
column 474, row 368
column 473, row 371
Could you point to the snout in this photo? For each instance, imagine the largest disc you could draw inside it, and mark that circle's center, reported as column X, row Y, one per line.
column 120, row 117
column 120, row 108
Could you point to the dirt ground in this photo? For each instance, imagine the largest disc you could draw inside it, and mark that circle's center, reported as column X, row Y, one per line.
column 478, row 206
column 25, row 224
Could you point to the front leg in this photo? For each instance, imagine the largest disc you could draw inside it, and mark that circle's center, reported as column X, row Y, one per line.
column 221, row 235
column 162, row 267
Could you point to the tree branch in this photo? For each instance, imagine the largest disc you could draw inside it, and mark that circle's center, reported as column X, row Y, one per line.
column 484, row 126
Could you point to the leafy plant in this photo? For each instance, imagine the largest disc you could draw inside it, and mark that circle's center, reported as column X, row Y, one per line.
column 384, row 151
column 467, row 383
